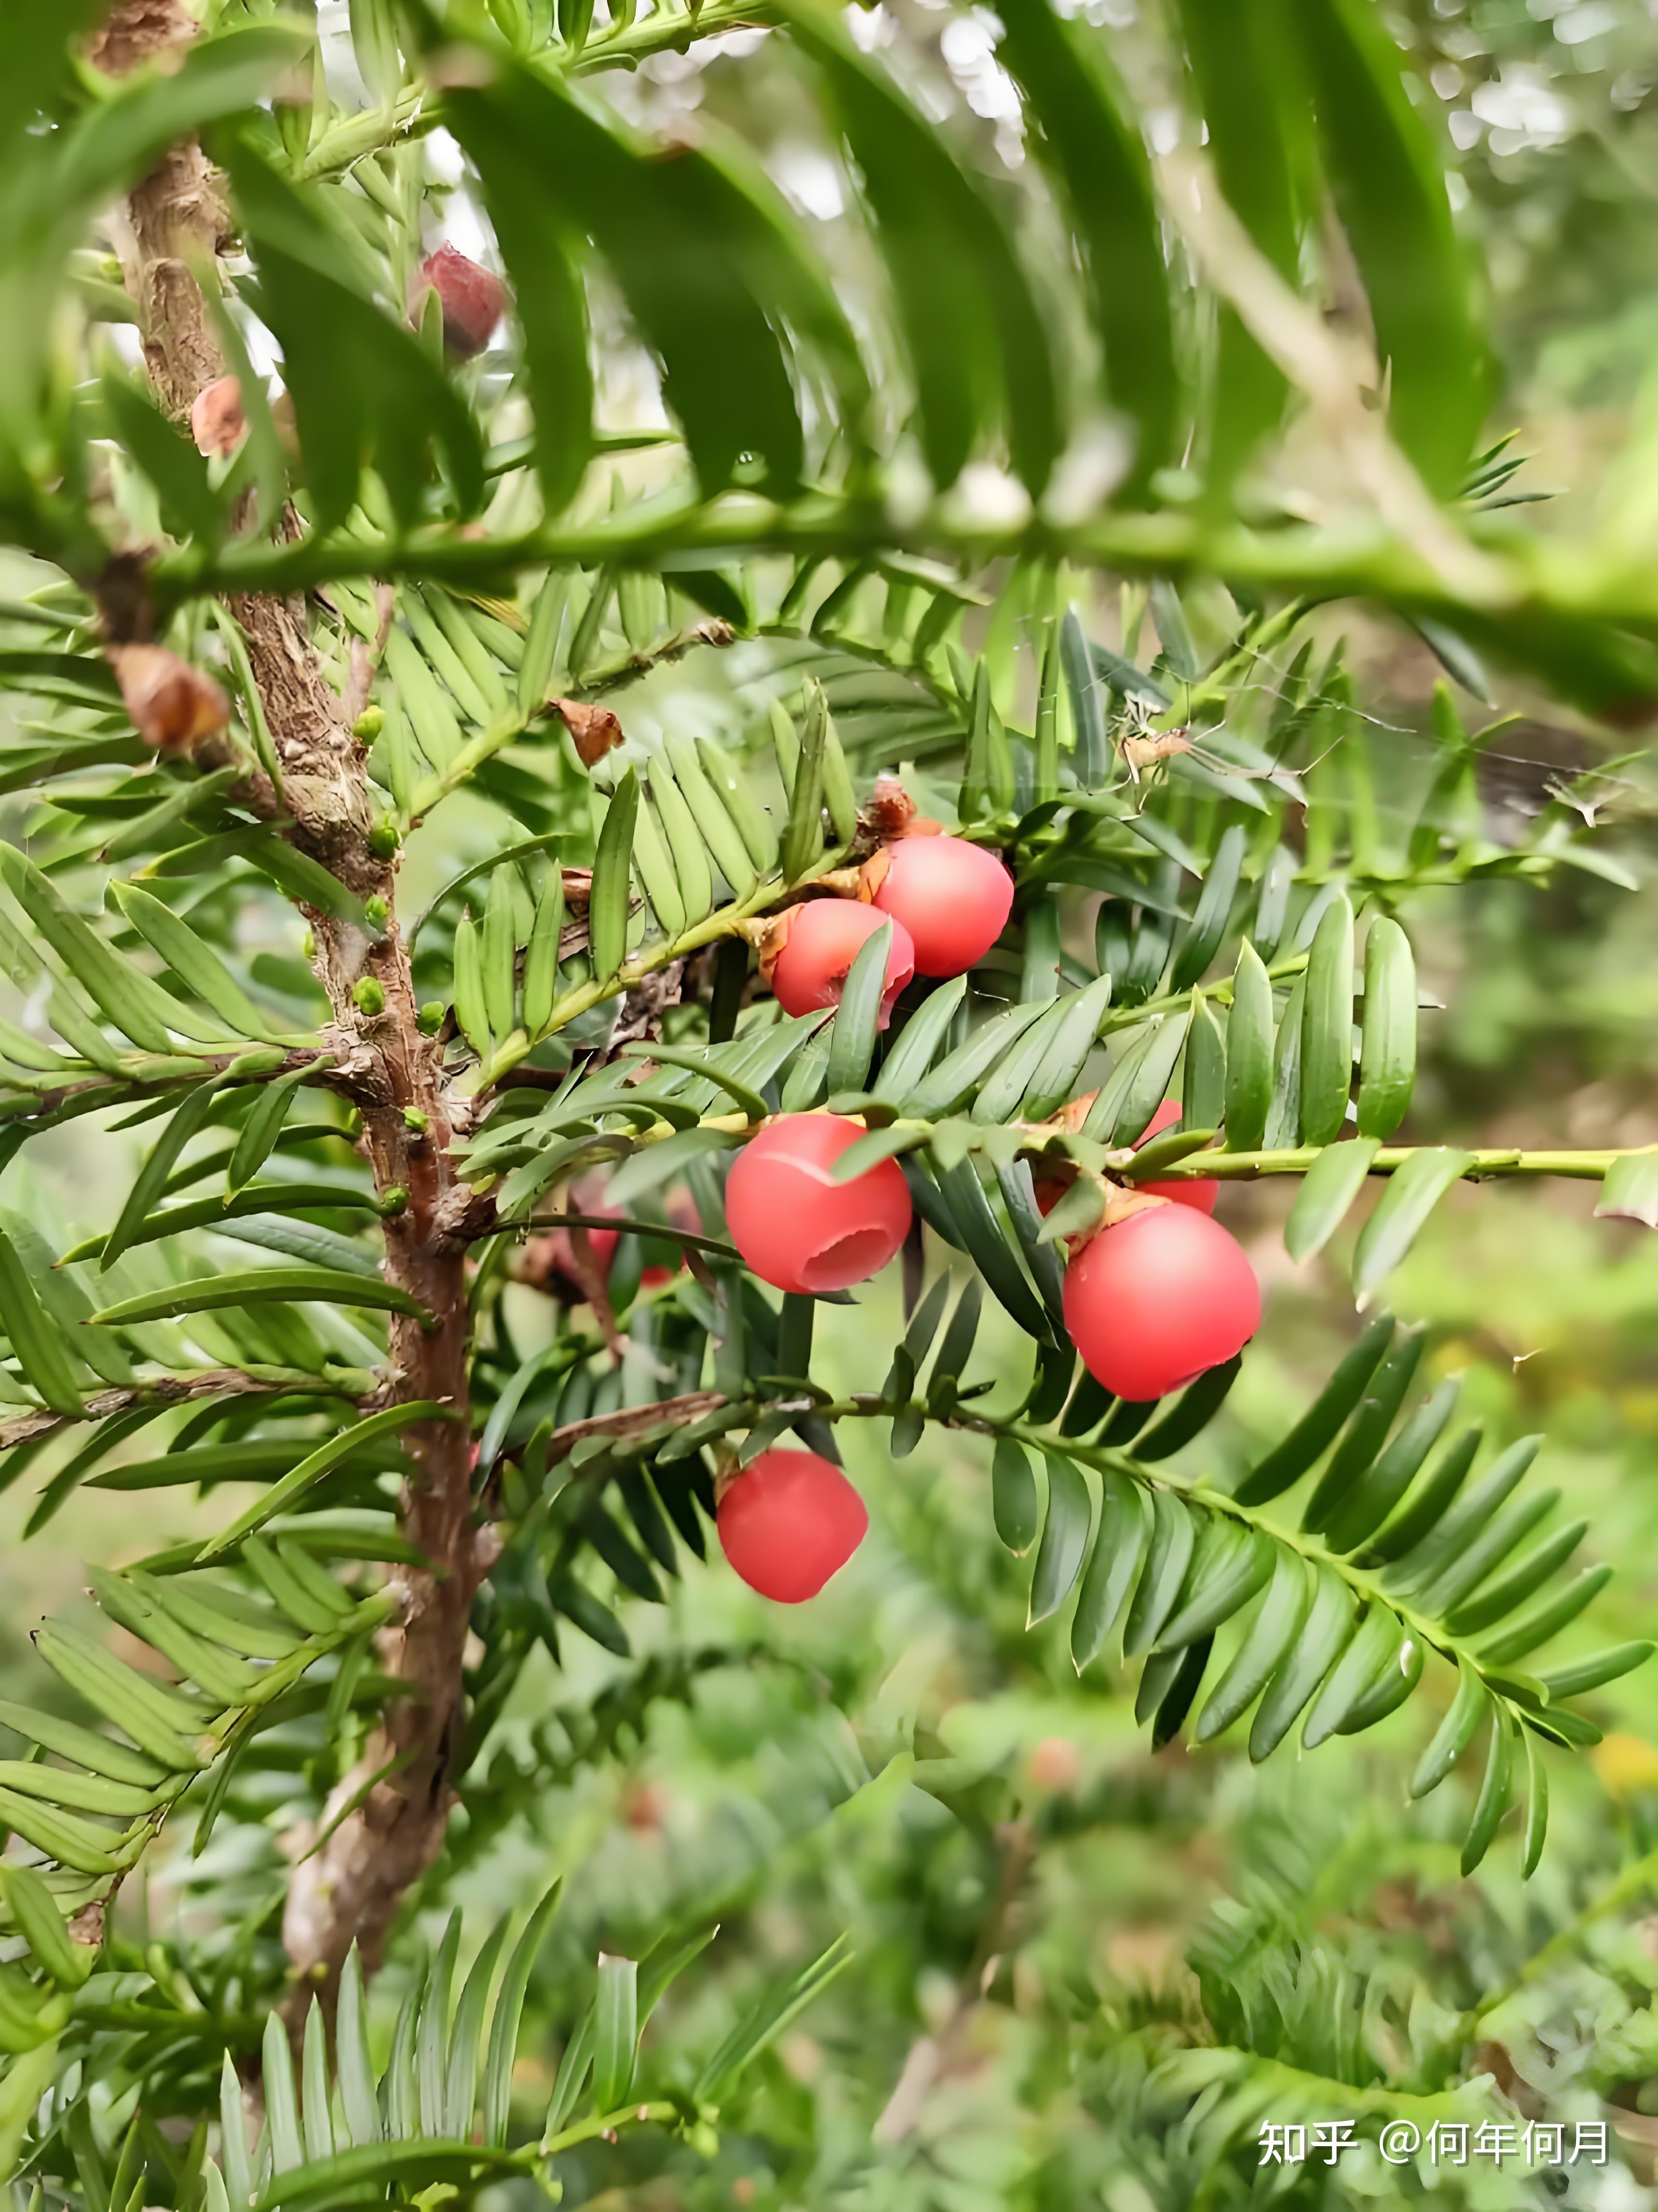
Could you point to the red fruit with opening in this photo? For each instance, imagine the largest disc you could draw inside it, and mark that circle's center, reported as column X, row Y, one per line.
column 1201, row 1194
column 1157, row 1298
column 954, row 899
column 795, row 1226
column 788, row 1522
column 822, row 940
column 473, row 298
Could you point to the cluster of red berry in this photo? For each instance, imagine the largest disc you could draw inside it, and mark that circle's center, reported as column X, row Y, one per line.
column 1151, row 1301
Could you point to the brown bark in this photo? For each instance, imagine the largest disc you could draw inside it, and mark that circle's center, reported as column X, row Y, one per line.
column 349, row 1890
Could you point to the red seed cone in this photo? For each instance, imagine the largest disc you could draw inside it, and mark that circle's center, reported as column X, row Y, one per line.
column 797, row 1228
column 954, row 899
column 813, row 947
column 787, row 1523
column 1158, row 1299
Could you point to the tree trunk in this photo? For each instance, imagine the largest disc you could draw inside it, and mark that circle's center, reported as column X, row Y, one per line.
column 349, row 1890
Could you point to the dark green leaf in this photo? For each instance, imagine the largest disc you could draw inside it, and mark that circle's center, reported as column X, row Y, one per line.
column 280, row 1498
column 1202, row 937
column 1273, row 1632
column 261, row 1286
column 34, row 1336
column 607, row 912
column 975, row 331
column 1493, row 1798
column 1331, row 1185
column 852, row 1037
column 1387, row 1053
column 1247, row 104
column 1015, row 1506
column 1455, row 1733
column 1383, row 1396
column 1174, row 1535
column 1113, row 1568
column 1413, row 1191
column 1086, row 137
column 1287, row 1462
column 1065, row 1539
column 1248, row 1052
column 1329, row 1627
column 1327, row 1027
column 1396, row 210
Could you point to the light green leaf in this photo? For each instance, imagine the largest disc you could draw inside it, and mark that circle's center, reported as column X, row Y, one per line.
column 1387, row 1056
column 615, row 2031
column 1413, row 1191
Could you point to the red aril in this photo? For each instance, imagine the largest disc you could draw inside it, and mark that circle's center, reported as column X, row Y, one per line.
column 952, row 897
column 473, row 300
column 797, row 1228
column 818, row 942
column 1201, row 1194
column 788, row 1522
column 1157, row 1298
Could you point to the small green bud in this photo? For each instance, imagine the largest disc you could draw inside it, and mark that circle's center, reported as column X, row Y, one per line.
column 377, row 911
column 429, row 1020
column 308, row 944
column 368, row 997
column 385, row 838
column 368, row 725
column 395, row 1201
column 414, row 1120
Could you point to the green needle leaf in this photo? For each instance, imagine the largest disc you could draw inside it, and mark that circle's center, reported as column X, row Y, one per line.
column 281, row 1496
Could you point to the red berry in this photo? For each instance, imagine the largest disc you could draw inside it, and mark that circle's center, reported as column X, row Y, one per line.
column 473, row 299
column 1158, row 1297
column 951, row 896
column 1201, row 1194
column 788, row 1522
column 823, row 939
column 798, row 1230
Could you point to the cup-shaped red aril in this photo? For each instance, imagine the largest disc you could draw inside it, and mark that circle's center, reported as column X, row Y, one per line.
column 954, row 899
column 788, row 1522
column 824, row 937
column 1199, row 1192
column 1157, row 1299
column 795, row 1226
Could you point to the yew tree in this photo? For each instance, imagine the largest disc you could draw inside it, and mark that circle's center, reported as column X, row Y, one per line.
column 596, row 757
